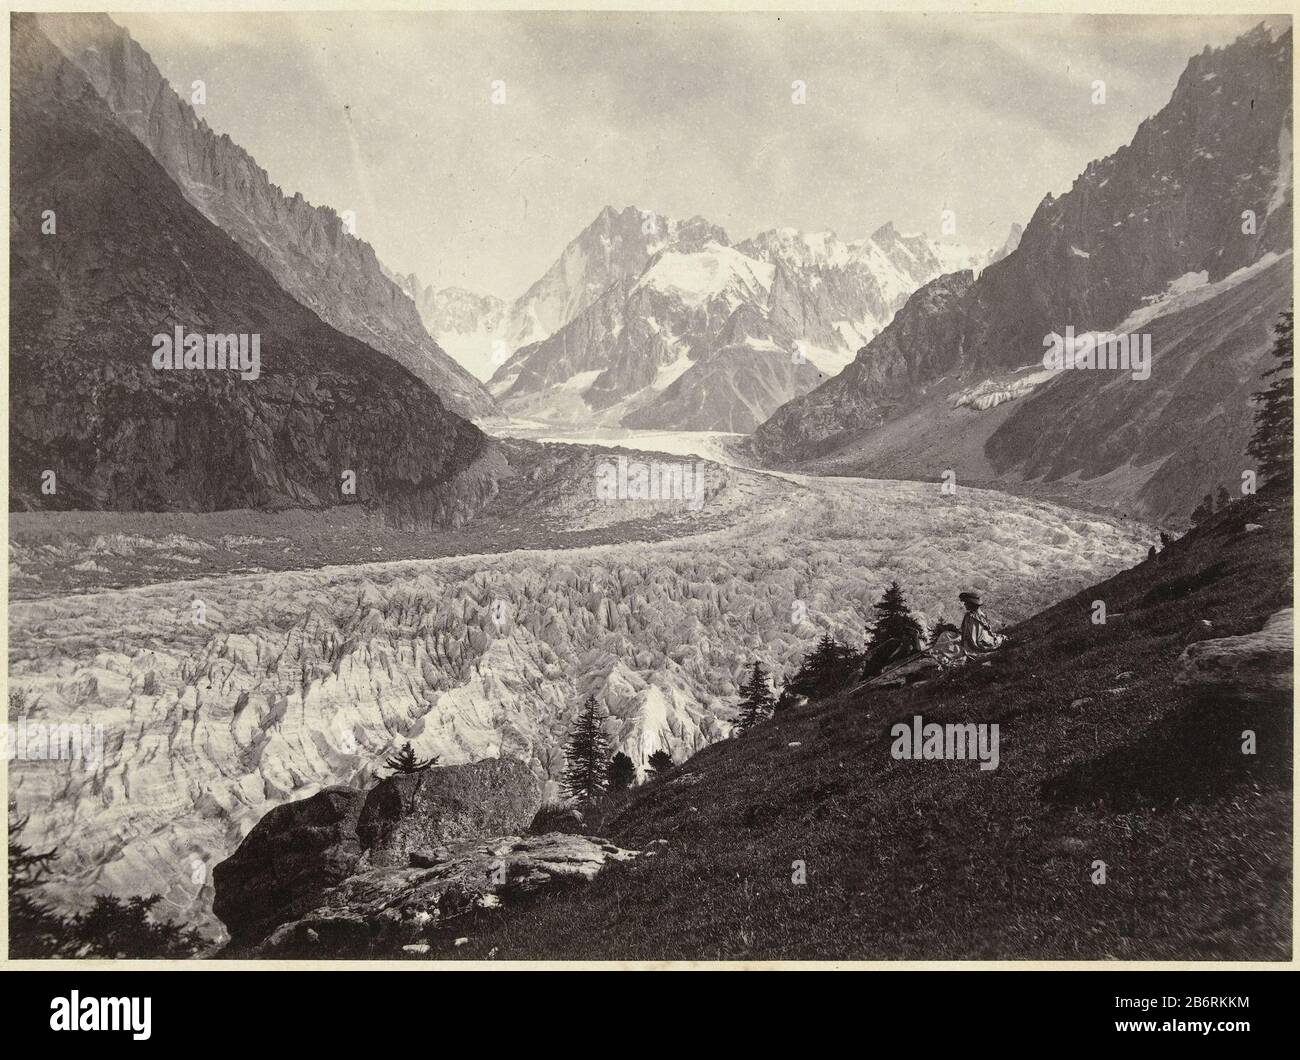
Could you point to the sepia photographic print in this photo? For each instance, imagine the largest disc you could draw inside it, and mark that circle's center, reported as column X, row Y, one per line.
column 731, row 487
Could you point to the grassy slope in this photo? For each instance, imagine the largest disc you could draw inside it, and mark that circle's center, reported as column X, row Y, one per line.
column 940, row 860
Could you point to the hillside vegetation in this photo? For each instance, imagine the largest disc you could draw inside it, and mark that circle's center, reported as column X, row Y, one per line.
column 1103, row 758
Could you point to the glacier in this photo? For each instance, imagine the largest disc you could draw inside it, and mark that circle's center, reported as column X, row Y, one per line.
column 297, row 680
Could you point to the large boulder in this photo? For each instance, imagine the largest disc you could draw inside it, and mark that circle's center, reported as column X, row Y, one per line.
column 287, row 862
column 552, row 817
column 416, row 814
column 1256, row 667
column 302, row 849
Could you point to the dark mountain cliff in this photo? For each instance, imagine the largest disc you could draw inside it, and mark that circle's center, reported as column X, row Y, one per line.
column 307, row 249
column 131, row 258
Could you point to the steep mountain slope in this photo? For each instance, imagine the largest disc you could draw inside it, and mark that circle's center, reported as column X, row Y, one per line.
column 1159, row 453
column 131, row 258
column 1151, row 449
column 715, row 337
column 307, row 249
column 1166, row 208
column 1111, row 749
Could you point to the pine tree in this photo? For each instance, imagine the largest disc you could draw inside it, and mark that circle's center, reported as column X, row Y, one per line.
column 585, row 776
column 405, row 761
column 1274, row 433
column 756, row 702
column 894, row 620
column 1203, row 510
column 35, row 930
column 829, row 664
column 621, row 772
column 823, row 657
column 112, row 927
column 127, row 928
column 660, row 763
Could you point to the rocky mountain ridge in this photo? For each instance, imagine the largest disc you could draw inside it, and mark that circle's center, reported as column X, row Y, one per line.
column 467, row 325
column 707, row 335
column 97, row 423
column 1201, row 192
column 309, row 250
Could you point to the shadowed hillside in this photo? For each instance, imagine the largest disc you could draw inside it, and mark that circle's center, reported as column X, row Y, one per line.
column 310, row 251
column 130, row 258
column 1103, row 757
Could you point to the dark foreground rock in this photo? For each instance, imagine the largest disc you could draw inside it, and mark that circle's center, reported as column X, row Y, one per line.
column 287, row 862
column 382, row 872
column 554, row 818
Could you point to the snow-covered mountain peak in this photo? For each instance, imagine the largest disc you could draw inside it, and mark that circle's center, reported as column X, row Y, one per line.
column 714, row 271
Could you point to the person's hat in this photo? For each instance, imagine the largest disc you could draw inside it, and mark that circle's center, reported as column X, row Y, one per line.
column 973, row 598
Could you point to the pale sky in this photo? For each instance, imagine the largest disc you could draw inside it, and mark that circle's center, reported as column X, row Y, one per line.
column 390, row 115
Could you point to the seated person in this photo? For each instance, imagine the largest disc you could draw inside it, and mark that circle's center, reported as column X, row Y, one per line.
column 977, row 636
column 945, row 646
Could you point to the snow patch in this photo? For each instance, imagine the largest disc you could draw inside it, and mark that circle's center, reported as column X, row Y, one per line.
column 670, row 373
column 716, row 271
column 1192, row 289
column 1283, row 182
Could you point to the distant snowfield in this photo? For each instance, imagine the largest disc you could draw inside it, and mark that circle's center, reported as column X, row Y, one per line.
column 299, row 680
column 707, row 445
column 716, row 271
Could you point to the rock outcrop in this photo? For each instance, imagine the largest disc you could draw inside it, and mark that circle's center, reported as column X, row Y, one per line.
column 555, row 817
column 365, row 873
column 416, row 814
column 301, row 849
column 130, row 259
column 310, row 251
column 288, row 861
column 406, row 912
column 1255, row 667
